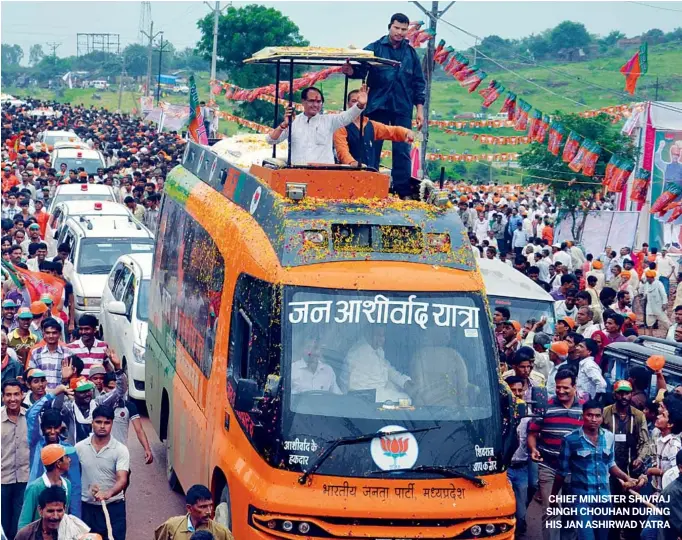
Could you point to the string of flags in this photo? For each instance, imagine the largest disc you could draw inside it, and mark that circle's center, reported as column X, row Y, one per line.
column 237, row 93
column 580, row 154
column 500, row 156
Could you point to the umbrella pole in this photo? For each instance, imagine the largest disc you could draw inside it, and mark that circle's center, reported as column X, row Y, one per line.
column 274, row 122
column 291, row 104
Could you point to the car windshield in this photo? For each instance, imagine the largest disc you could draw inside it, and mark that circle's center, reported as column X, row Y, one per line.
column 82, row 197
column 51, row 139
column 143, row 300
column 374, row 355
column 98, row 255
column 526, row 311
column 90, row 165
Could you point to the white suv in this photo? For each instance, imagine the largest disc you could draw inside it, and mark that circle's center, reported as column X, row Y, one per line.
column 83, row 209
column 81, row 192
column 124, row 312
column 96, row 244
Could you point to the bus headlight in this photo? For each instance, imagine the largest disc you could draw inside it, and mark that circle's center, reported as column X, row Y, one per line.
column 476, row 530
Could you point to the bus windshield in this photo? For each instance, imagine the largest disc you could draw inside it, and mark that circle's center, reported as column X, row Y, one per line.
column 526, row 311
column 373, row 355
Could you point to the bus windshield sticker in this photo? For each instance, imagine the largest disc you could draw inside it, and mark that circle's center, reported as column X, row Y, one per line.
column 471, row 332
column 381, row 310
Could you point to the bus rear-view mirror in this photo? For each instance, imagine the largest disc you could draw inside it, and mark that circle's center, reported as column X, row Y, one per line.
column 247, row 393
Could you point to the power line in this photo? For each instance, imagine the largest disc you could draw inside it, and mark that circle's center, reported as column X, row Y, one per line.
column 518, row 74
column 620, row 94
column 656, row 7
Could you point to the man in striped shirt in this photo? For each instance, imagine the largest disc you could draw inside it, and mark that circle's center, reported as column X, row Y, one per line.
column 545, row 434
column 88, row 348
column 49, row 358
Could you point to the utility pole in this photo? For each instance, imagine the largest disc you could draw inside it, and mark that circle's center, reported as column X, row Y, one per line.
column 428, row 64
column 656, row 95
column 216, row 15
column 158, row 80
column 120, row 85
column 54, row 47
column 152, row 36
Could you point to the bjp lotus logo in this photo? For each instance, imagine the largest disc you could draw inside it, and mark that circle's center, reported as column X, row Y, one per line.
column 395, row 448
column 394, row 452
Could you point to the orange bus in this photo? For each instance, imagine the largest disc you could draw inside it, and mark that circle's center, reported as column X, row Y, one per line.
column 321, row 356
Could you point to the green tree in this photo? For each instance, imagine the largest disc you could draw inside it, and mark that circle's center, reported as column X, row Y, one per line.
column 189, row 59
column 675, row 35
column 241, row 33
column 35, row 54
column 135, row 56
column 12, row 54
column 51, row 67
column 536, row 46
column 611, row 39
column 654, row 36
column 569, row 35
column 570, row 188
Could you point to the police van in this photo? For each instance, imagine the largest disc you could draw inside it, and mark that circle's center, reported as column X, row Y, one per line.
column 96, row 244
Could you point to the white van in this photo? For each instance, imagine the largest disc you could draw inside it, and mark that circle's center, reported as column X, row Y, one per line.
column 96, row 244
column 49, row 138
column 99, row 85
column 90, row 160
column 507, row 287
column 81, row 192
column 123, row 315
column 82, row 209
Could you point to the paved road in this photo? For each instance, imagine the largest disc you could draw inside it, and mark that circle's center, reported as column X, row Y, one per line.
column 149, row 500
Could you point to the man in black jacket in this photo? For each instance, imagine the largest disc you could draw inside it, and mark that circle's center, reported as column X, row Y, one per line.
column 394, row 92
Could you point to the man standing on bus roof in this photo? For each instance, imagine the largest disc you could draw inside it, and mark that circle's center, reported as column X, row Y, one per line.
column 312, row 132
column 354, row 143
column 395, row 91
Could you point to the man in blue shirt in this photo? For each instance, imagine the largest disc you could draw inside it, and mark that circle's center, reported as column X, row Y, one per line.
column 393, row 93
column 588, row 455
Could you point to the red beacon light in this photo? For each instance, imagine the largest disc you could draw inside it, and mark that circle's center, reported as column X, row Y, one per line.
column 98, row 206
column 84, row 187
column 79, row 155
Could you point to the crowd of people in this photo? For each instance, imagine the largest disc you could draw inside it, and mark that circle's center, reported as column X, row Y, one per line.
column 596, row 435
column 65, row 414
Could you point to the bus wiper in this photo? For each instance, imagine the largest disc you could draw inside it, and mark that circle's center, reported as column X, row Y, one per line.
column 351, row 440
column 448, row 472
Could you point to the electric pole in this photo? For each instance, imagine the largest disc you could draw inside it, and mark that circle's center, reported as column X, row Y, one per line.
column 216, row 16
column 151, row 36
column 54, row 47
column 120, row 85
column 428, row 64
column 656, row 95
column 158, row 80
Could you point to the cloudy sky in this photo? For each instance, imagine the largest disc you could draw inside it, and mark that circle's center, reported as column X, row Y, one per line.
column 324, row 23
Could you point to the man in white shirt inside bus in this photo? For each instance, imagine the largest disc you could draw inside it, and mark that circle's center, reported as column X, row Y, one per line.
column 312, row 132
column 369, row 369
column 310, row 374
